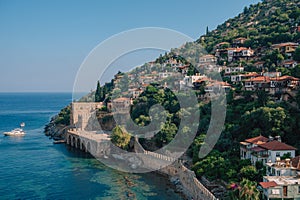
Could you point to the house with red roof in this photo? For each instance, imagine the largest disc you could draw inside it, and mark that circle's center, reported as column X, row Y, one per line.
column 281, row 187
column 286, row 48
column 289, row 63
column 239, row 41
column 249, row 146
column 265, row 149
column 271, row 84
column 239, row 53
column 282, row 180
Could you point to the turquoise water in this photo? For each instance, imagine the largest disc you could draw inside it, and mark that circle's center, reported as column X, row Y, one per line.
column 32, row 167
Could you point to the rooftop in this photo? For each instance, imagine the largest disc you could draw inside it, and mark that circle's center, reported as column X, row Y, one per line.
column 276, row 145
column 282, row 78
column 268, row 184
column 259, row 79
column 283, row 180
column 257, row 139
column 285, row 44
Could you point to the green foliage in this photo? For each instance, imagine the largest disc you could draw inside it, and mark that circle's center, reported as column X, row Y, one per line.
column 64, row 116
column 298, row 98
column 269, row 121
column 213, row 167
column 262, row 24
column 296, row 71
column 98, row 93
column 102, row 92
column 198, row 142
column 166, row 134
column 286, row 156
column 249, row 172
column 297, row 55
column 220, row 166
column 248, row 190
column 151, row 96
column 262, row 97
column 120, row 137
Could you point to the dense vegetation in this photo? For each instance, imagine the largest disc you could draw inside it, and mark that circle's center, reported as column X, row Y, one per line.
column 64, row 116
column 120, row 138
column 265, row 23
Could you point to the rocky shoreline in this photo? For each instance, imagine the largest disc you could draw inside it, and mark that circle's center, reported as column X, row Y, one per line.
column 53, row 131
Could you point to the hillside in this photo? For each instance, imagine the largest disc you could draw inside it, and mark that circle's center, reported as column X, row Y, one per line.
column 258, row 55
column 268, row 22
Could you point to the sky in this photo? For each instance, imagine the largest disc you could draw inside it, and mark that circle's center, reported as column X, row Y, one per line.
column 43, row 43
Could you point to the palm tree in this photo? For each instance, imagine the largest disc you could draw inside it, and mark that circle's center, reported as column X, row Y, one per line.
column 248, row 190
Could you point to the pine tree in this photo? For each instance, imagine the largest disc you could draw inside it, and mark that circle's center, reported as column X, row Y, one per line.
column 207, row 30
column 98, row 93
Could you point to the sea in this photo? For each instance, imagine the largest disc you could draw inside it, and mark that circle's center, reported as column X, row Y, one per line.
column 32, row 167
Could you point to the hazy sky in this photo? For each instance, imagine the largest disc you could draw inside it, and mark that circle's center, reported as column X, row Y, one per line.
column 43, row 43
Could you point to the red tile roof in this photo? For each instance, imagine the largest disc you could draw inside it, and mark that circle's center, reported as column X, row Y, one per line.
column 266, row 185
column 183, row 67
column 252, row 74
column 283, row 78
column 257, row 139
column 259, row 79
column 285, row 44
column 221, row 43
column 238, row 49
column 276, row 145
column 288, row 62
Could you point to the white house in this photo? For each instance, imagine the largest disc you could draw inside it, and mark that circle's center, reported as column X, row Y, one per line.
column 265, row 149
column 207, row 59
column 283, row 167
column 281, row 187
column 230, row 70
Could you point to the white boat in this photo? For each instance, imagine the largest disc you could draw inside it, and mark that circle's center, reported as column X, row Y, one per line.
column 22, row 124
column 15, row 132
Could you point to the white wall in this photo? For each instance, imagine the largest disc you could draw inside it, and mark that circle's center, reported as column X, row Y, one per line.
column 272, row 154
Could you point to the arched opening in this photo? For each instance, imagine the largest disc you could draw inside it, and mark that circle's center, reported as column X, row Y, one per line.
column 83, row 146
column 73, row 142
column 78, row 143
column 69, row 140
column 88, row 147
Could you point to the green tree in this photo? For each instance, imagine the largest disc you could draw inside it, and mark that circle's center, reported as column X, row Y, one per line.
column 296, row 71
column 270, row 121
column 98, row 92
column 297, row 55
column 262, row 97
column 120, row 137
column 249, row 172
column 198, row 142
column 213, row 167
column 166, row 134
column 248, row 190
column 298, row 98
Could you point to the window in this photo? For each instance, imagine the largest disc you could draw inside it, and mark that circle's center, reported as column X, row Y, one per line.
column 278, row 173
column 299, row 189
column 275, row 191
column 277, row 154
